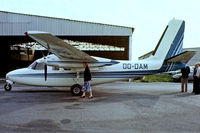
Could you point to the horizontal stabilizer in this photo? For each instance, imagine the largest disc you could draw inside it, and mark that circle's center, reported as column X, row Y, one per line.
column 182, row 57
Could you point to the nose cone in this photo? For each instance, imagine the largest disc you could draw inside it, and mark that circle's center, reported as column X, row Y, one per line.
column 10, row 75
column 17, row 76
column 13, row 74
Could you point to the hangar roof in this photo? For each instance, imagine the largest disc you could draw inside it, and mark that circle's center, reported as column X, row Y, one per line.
column 15, row 24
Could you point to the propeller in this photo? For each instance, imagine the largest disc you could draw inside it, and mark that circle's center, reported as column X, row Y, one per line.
column 45, row 71
column 45, row 65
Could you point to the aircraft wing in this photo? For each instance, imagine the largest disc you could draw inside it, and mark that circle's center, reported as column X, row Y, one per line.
column 182, row 57
column 58, row 47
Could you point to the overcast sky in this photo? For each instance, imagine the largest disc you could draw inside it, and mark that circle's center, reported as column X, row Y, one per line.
column 148, row 17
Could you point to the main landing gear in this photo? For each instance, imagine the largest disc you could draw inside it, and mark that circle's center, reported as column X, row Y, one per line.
column 76, row 88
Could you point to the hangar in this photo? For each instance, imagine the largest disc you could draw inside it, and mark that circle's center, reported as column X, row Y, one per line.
column 13, row 26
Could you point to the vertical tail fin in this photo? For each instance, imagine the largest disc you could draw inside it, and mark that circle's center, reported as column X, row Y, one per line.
column 169, row 46
column 171, row 41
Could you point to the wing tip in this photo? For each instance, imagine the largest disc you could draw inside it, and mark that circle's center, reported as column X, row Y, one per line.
column 35, row 32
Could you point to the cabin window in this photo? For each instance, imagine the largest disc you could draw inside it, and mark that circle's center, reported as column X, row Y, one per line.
column 55, row 68
column 40, row 66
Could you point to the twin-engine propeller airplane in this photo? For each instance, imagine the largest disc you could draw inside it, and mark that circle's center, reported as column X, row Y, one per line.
column 64, row 67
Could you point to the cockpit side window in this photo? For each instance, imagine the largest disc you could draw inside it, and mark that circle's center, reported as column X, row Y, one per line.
column 33, row 65
column 37, row 66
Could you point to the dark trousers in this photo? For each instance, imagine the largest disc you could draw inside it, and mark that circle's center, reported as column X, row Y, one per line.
column 196, row 85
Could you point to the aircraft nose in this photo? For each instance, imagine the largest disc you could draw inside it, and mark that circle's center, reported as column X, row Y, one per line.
column 12, row 74
column 16, row 75
column 9, row 75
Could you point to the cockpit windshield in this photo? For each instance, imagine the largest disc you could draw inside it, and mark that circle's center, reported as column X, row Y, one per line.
column 37, row 66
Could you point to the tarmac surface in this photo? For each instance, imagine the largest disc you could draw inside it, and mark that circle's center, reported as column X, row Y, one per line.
column 119, row 107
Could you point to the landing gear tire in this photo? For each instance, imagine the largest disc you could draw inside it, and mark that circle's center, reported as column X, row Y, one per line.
column 76, row 90
column 7, row 87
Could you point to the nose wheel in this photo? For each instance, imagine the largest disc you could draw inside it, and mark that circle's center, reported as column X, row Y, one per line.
column 7, row 87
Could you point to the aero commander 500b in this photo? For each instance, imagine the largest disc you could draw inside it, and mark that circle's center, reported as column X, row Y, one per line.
column 64, row 67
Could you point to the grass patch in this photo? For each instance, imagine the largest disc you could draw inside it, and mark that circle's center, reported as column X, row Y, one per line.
column 157, row 78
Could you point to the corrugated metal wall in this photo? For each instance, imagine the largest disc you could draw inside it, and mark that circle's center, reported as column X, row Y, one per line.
column 17, row 24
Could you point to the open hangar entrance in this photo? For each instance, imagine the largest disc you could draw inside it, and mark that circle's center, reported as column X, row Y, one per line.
column 13, row 26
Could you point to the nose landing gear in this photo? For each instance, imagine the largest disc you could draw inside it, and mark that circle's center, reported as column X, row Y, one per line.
column 8, row 85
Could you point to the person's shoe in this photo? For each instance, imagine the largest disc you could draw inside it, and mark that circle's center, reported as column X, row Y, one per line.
column 90, row 97
column 82, row 96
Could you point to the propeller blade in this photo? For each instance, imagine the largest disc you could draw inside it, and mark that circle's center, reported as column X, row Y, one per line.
column 45, row 71
column 45, row 60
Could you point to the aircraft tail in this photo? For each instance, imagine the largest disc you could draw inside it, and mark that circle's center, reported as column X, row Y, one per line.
column 171, row 41
column 169, row 48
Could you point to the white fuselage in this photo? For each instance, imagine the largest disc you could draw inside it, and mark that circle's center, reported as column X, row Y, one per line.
column 61, row 77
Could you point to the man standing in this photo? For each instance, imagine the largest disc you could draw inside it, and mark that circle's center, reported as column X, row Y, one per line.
column 197, row 78
column 184, row 78
column 87, row 82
